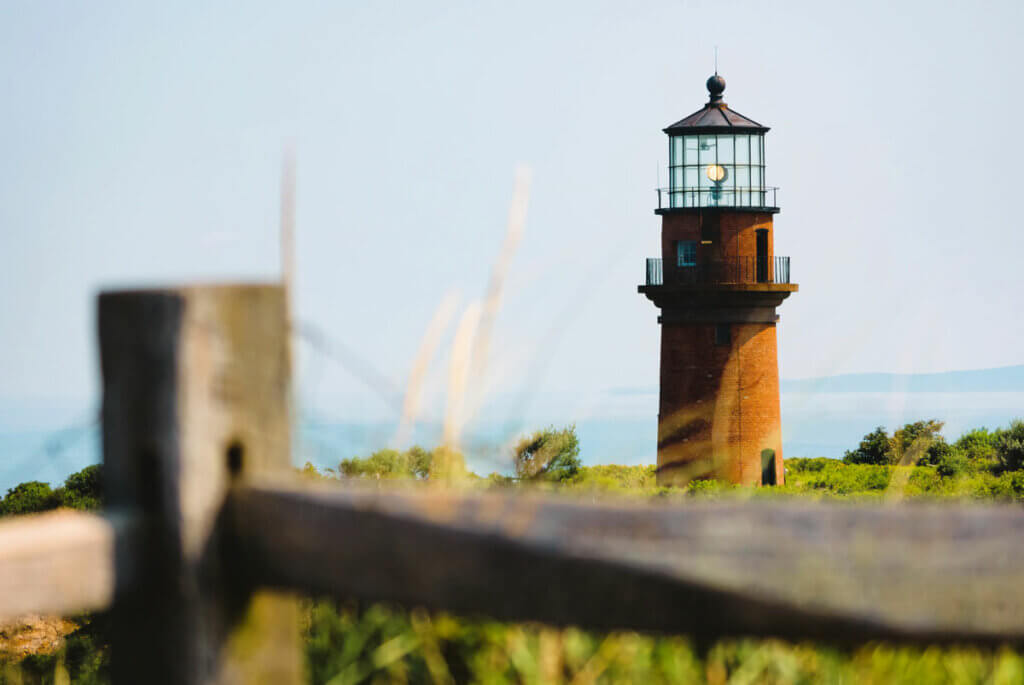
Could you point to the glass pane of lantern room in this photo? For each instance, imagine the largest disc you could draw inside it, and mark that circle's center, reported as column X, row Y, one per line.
column 743, row 149
column 702, row 175
column 755, row 149
column 690, row 177
column 708, row 152
column 690, row 150
column 743, row 177
column 675, row 156
column 725, row 150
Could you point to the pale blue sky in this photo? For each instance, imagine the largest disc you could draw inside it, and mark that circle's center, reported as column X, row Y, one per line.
column 141, row 143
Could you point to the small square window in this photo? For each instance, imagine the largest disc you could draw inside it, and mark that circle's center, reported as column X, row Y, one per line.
column 723, row 334
column 687, row 252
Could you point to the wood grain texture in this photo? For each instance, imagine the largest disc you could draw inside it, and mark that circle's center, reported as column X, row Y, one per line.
column 196, row 399
column 838, row 573
column 62, row 562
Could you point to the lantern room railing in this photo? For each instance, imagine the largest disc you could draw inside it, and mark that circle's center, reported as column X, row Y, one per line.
column 728, row 271
column 682, row 198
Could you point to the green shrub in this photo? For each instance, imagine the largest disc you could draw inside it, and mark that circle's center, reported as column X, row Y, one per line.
column 978, row 445
column 617, row 477
column 709, row 487
column 921, row 438
column 874, row 448
column 29, row 498
column 936, row 451
column 951, row 463
column 82, row 490
column 809, row 465
column 917, row 442
column 851, row 479
column 415, row 462
column 548, row 455
column 1009, row 447
column 500, row 480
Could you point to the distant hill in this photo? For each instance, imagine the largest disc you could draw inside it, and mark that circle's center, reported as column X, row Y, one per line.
column 1004, row 379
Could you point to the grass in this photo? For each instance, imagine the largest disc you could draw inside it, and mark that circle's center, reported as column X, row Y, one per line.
column 347, row 643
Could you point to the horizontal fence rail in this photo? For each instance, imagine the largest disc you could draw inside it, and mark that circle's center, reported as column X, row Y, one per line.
column 682, row 198
column 735, row 270
column 64, row 562
column 830, row 572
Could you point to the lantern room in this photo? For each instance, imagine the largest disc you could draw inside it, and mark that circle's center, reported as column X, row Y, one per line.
column 716, row 158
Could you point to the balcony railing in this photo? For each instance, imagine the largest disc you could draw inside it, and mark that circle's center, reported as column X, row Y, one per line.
column 655, row 274
column 727, row 271
column 680, row 198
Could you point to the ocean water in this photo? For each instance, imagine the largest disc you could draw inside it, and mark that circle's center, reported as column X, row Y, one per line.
column 52, row 445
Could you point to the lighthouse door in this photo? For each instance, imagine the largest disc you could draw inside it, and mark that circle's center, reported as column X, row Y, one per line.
column 762, row 255
column 767, row 467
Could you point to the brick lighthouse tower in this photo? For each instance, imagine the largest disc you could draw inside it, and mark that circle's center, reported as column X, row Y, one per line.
column 718, row 284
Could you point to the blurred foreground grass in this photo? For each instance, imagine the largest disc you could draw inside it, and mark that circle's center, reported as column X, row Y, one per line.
column 379, row 644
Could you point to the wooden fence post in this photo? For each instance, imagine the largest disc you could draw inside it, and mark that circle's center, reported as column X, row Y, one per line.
column 196, row 393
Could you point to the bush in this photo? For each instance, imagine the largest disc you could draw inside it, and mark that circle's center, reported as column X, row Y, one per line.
column 921, row 437
column 617, row 477
column 548, row 455
column 29, row 498
column 938, row 450
column 950, row 463
column 810, row 465
column 850, row 479
column 978, row 445
column 709, row 487
column 1006, row 486
column 82, row 490
column 875, row 449
column 1009, row 447
column 415, row 462
column 500, row 480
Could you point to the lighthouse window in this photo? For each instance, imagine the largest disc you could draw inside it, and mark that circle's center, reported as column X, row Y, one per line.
column 690, row 177
column 724, row 170
column 743, row 149
column 691, row 150
column 723, row 334
column 708, row 151
column 687, row 252
column 725, row 149
column 677, row 152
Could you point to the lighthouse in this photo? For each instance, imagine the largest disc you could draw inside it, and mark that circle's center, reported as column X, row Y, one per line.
column 717, row 285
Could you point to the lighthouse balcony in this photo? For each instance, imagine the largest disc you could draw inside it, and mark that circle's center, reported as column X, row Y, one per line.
column 763, row 199
column 730, row 271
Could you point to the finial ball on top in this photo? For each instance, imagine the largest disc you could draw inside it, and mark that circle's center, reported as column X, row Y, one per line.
column 716, row 85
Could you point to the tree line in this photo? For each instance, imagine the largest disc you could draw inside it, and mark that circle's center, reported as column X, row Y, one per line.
column 920, row 443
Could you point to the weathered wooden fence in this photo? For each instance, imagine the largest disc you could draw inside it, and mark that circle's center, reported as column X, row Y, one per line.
column 206, row 530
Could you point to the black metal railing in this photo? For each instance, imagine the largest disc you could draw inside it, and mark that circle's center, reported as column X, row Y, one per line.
column 726, row 271
column 655, row 275
column 681, row 198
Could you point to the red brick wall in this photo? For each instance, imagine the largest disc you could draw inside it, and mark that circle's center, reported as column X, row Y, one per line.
column 736, row 234
column 719, row 404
